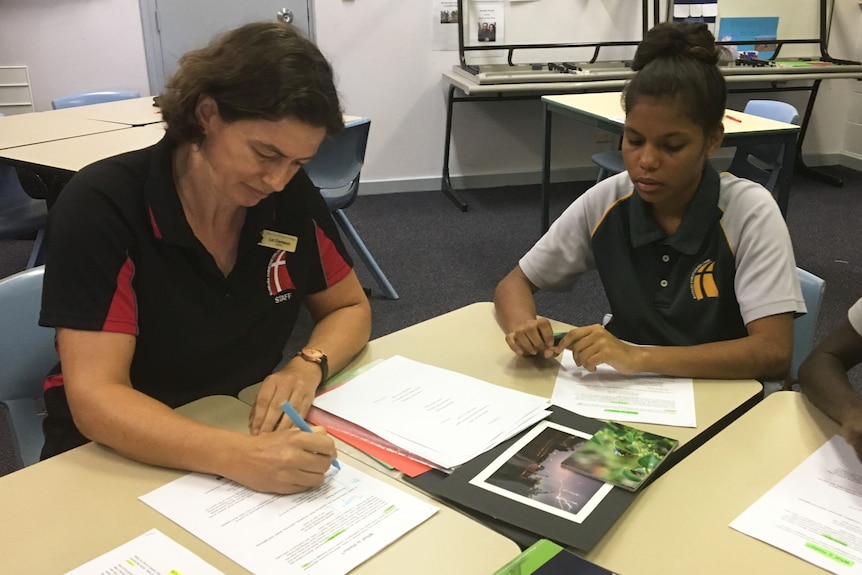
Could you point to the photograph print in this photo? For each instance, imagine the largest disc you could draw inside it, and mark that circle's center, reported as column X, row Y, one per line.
column 531, row 472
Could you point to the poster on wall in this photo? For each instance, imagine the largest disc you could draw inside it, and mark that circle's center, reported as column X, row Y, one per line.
column 487, row 23
column 445, row 20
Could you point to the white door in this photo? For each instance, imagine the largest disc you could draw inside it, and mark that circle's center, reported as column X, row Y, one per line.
column 173, row 27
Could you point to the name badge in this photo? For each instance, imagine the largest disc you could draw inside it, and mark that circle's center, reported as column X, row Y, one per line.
column 277, row 241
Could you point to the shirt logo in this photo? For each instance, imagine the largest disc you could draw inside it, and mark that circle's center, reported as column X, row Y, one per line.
column 277, row 278
column 703, row 281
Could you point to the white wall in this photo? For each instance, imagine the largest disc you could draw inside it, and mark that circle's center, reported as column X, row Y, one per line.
column 74, row 45
column 387, row 71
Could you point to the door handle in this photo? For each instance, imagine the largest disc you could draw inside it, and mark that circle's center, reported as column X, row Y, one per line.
column 285, row 15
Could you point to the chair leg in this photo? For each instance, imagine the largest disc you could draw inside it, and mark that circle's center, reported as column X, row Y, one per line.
column 364, row 254
column 37, row 254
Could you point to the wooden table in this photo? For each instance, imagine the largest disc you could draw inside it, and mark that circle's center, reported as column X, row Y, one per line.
column 470, row 341
column 131, row 112
column 65, row 511
column 679, row 524
column 72, row 154
column 26, row 129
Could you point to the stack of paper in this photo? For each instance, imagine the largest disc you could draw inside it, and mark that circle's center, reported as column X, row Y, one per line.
column 443, row 416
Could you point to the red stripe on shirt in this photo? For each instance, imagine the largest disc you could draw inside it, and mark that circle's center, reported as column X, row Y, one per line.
column 53, row 381
column 156, row 231
column 335, row 267
column 123, row 313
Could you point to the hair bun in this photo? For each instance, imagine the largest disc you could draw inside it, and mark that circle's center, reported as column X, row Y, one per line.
column 670, row 40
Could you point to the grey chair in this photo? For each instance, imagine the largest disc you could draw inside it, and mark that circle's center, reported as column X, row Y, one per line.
column 335, row 170
column 86, row 98
column 27, row 354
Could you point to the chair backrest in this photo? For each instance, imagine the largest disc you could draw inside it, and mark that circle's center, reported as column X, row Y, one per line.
column 804, row 326
column 27, row 350
column 85, row 98
column 27, row 354
column 12, row 194
column 762, row 163
column 336, row 167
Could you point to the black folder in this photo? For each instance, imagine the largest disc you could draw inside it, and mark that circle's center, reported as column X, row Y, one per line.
column 523, row 523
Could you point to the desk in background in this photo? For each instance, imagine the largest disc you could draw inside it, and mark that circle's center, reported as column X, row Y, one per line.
column 74, row 507
column 131, row 112
column 604, row 110
column 38, row 127
column 470, row 341
column 741, row 79
column 679, row 524
column 70, row 155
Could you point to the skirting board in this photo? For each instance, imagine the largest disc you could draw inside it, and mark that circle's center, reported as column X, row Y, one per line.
column 578, row 174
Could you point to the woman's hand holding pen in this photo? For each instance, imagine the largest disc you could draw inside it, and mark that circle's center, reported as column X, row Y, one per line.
column 296, row 383
column 283, row 461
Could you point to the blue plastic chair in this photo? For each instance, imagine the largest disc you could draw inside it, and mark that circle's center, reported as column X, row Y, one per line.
column 20, row 214
column 86, row 98
column 27, row 354
column 761, row 163
column 335, row 170
column 804, row 326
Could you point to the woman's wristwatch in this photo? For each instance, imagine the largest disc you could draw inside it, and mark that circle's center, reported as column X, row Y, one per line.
column 316, row 356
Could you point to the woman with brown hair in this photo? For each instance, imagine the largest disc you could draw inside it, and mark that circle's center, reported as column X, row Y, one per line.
column 177, row 271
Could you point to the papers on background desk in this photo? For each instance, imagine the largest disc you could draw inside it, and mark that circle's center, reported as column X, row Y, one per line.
column 815, row 512
column 326, row 531
column 607, row 394
column 443, row 416
column 152, row 553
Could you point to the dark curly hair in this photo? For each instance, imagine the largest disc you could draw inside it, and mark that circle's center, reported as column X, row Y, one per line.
column 680, row 61
column 262, row 70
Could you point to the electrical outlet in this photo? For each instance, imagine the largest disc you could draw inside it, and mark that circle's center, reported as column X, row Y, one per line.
column 604, row 137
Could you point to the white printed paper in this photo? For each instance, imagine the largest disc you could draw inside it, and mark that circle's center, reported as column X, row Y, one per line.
column 681, row 11
column 443, row 416
column 608, row 394
column 326, row 531
column 815, row 512
column 152, row 553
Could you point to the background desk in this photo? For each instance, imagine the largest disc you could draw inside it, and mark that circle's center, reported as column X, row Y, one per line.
column 603, row 110
column 67, row 510
column 470, row 341
column 679, row 524
column 26, row 129
column 72, row 154
column 739, row 79
column 132, row 112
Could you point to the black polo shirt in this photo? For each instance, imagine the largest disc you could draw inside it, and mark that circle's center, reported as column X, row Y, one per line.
column 678, row 278
column 729, row 263
column 123, row 258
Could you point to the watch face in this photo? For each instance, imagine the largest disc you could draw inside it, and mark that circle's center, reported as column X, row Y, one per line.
column 312, row 354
